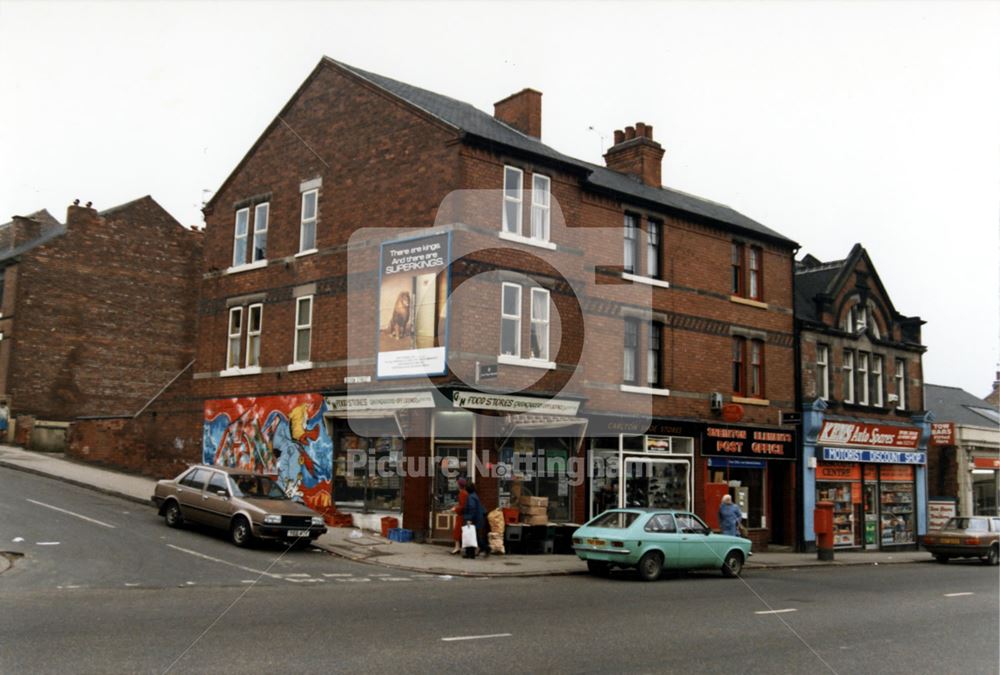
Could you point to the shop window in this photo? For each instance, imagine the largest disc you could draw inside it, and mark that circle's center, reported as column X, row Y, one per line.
column 631, row 253
column 539, row 468
column 307, row 228
column 823, row 371
column 367, row 469
column 848, row 376
column 898, row 521
column 900, row 376
column 984, row 492
column 513, row 182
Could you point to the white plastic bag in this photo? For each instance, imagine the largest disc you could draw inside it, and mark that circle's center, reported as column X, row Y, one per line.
column 469, row 538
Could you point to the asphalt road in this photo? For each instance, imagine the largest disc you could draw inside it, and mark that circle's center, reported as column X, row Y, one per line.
column 104, row 587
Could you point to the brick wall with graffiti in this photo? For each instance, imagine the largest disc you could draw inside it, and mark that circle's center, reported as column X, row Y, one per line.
column 282, row 435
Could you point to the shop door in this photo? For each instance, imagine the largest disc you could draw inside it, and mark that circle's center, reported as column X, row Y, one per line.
column 871, row 516
column 450, row 462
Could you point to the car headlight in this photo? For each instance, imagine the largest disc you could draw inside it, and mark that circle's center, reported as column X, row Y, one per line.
column 272, row 520
column 317, row 520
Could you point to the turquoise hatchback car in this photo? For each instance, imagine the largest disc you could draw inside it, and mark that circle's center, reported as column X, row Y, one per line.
column 652, row 540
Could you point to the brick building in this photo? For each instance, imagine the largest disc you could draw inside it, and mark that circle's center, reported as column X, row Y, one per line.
column 864, row 425
column 963, row 456
column 394, row 275
column 96, row 314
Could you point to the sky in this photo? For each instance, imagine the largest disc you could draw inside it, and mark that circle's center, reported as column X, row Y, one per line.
column 832, row 123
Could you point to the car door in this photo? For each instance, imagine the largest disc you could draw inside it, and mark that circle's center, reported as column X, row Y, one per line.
column 661, row 531
column 695, row 548
column 189, row 493
column 216, row 508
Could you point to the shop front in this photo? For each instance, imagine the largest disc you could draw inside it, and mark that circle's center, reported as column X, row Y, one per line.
column 875, row 476
column 985, row 468
column 754, row 465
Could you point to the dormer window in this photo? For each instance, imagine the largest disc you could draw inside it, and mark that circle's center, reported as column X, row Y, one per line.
column 860, row 320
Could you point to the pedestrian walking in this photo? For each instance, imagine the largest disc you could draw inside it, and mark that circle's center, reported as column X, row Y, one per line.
column 456, row 535
column 475, row 515
column 729, row 516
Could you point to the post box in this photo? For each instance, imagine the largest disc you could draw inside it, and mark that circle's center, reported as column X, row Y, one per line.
column 823, row 527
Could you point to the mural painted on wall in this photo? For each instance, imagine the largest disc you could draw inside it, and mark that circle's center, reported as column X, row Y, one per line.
column 282, row 435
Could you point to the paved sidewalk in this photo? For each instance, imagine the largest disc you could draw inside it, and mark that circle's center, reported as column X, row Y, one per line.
column 371, row 548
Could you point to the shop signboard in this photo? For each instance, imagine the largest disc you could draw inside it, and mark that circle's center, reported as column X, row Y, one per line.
column 864, row 435
column 939, row 511
column 736, row 441
column 876, row 456
column 514, row 404
column 413, row 307
column 986, row 463
column 387, row 401
column 942, row 433
column 734, row 463
column 613, row 425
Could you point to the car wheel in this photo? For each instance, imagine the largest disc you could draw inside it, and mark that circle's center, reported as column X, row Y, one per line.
column 732, row 565
column 650, row 566
column 172, row 515
column 941, row 558
column 240, row 532
column 598, row 568
column 993, row 557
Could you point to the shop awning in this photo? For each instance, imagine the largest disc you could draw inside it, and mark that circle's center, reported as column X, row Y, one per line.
column 359, row 415
column 531, row 422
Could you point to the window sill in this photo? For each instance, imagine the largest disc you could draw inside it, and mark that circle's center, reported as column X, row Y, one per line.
column 247, row 267
column 508, row 360
column 649, row 391
column 748, row 302
column 302, row 365
column 520, row 239
column 308, row 251
column 751, row 401
column 233, row 372
column 649, row 281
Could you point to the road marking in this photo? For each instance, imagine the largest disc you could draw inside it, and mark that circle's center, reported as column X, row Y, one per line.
column 355, row 579
column 131, row 585
column 956, row 595
column 297, row 574
column 226, row 562
column 475, row 637
column 395, row 579
column 336, row 575
column 777, row 611
column 46, row 543
column 379, row 574
column 70, row 513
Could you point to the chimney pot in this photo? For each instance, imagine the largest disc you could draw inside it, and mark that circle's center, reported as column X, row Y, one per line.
column 522, row 110
column 640, row 129
column 619, row 136
column 629, row 133
column 649, row 131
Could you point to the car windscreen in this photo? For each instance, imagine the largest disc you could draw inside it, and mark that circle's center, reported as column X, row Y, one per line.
column 617, row 520
column 971, row 524
column 247, row 485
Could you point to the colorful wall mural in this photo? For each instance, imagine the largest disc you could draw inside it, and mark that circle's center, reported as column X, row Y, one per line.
column 281, row 435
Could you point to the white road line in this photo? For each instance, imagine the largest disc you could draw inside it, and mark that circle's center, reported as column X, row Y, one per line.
column 956, row 595
column 353, row 579
column 777, row 611
column 70, row 513
column 337, row 575
column 379, row 574
column 226, row 562
column 46, row 543
column 475, row 637
column 297, row 574
column 395, row 579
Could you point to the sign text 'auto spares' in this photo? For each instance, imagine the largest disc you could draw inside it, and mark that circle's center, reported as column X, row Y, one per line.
column 863, row 435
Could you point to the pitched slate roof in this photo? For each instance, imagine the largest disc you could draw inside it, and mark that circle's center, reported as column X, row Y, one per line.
column 951, row 404
column 810, row 282
column 472, row 121
column 50, row 228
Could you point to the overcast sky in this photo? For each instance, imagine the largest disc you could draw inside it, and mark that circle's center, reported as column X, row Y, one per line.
column 832, row 123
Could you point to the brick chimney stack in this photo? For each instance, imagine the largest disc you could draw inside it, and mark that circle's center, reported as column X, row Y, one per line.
column 522, row 110
column 994, row 396
column 636, row 153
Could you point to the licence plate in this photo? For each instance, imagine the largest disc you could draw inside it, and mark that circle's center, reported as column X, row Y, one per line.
column 949, row 540
column 596, row 542
column 298, row 533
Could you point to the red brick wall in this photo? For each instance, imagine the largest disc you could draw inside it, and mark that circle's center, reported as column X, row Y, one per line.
column 102, row 317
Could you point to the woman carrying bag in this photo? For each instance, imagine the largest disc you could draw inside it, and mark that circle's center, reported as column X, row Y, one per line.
column 474, row 516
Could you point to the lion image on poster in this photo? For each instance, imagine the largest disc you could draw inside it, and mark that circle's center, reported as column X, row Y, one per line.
column 399, row 323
